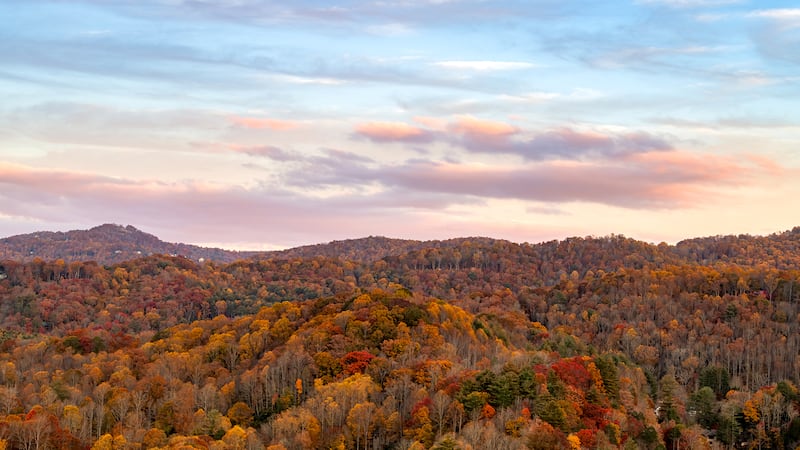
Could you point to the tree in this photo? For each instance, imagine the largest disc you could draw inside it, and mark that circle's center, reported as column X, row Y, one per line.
column 154, row 438
column 717, row 378
column 356, row 361
column 703, row 403
column 421, row 429
column 543, row 436
column 362, row 419
column 235, row 438
column 297, row 428
column 240, row 414
column 165, row 418
column 551, row 411
column 668, row 408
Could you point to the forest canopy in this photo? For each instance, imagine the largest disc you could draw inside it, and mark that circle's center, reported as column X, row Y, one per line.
column 583, row 343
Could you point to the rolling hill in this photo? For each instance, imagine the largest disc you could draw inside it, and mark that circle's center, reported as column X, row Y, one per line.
column 106, row 244
column 593, row 342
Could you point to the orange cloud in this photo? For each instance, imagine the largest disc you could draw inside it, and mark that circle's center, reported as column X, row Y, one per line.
column 691, row 167
column 655, row 180
column 488, row 136
column 472, row 126
column 433, row 123
column 254, row 123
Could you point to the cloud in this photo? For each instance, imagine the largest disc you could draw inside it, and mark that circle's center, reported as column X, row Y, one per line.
column 790, row 15
column 690, row 3
column 778, row 36
column 265, row 151
column 390, row 29
column 652, row 180
column 487, row 136
column 569, row 143
column 341, row 194
column 112, row 118
column 485, row 66
column 635, row 180
column 308, row 80
column 393, row 14
column 393, row 132
column 242, row 61
column 642, row 55
column 349, row 157
column 255, row 123
column 65, row 123
column 531, row 97
column 482, row 129
column 732, row 122
column 205, row 212
column 546, row 210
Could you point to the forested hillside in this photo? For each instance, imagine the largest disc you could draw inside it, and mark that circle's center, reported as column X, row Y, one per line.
column 583, row 343
column 370, row 249
column 106, row 244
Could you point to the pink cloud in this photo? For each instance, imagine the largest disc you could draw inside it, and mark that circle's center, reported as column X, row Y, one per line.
column 478, row 128
column 254, row 123
column 392, row 132
column 486, row 136
column 650, row 180
column 399, row 200
column 433, row 123
column 193, row 211
column 561, row 143
column 654, row 180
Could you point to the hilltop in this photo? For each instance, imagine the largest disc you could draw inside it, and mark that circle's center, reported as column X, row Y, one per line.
column 113, row 244
column 106, row 244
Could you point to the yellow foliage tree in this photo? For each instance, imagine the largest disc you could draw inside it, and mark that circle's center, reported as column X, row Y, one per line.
column 154, row 438
column 108, row 442
column 362, row 419
column 235, row 438
column 574, row 442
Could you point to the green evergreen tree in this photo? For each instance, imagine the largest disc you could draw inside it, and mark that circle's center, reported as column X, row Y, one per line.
column 608, row 371
column 703, row 402
column 717, row 378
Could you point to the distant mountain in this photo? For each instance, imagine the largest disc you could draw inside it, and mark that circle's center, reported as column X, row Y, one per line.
column 111, row 244
column 106, row 244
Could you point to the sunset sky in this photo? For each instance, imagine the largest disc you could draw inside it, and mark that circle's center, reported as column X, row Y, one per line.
column 255, row 124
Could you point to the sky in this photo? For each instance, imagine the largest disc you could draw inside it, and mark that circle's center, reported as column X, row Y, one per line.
column 257, row 124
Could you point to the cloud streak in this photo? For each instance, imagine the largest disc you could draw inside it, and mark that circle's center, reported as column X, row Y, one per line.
column 493, row 137
column 265, row 151
column 690, row 3
column 653, row 180
column 485, row 66
column 255, row 123
column 393, row 132
column 642, row 181
column 778, row 36
column 265, row 214
column 646, row 181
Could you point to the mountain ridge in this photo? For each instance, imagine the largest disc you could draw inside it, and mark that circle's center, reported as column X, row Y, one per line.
column 114, row 244
column 106, row 244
